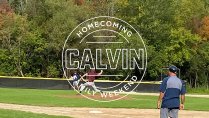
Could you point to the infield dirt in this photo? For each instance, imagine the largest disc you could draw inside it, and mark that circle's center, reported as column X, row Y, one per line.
column 100, row 112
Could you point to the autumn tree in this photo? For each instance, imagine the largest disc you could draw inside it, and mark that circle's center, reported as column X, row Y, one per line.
column 79, row 2
column 203, row 30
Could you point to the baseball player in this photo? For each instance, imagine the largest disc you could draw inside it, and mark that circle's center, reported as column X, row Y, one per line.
column 76, row 78
column 172, row 95
column 91, row 76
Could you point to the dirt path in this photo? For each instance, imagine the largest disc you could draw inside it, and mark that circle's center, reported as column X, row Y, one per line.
column 100, row 112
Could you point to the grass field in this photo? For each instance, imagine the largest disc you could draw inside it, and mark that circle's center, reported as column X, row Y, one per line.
column 200, row 90
column 54, row 98
column 21, row 114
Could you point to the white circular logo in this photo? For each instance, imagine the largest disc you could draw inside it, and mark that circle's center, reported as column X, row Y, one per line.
column 107, row 48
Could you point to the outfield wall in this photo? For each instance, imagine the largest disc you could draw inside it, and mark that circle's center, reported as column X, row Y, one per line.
column 52, row 83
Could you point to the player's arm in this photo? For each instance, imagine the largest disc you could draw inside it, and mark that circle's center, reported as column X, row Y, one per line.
column 160, row 99
column 182, row 99
column 162, row 91
column 100, row 72
column 182, row 102
column 84, row 76
column 182, row 96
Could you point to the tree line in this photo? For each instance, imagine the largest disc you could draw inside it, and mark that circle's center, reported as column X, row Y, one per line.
column 176, row 32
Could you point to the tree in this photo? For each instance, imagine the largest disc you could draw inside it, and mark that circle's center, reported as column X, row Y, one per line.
column 12, row 31
column 154, row 23
column 203, row 30
column 198, row 71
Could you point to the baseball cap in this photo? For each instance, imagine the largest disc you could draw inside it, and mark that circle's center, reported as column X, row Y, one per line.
column 173, row 69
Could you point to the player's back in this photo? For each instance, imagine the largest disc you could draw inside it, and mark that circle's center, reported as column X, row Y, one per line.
column 76, row 77
column 173, row 88
column 91, row 76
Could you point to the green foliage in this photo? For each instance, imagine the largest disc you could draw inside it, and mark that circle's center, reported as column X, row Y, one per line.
column 169, row 27
column 33, row 35
column 200, row 90
column 31, row 44
column 179, row 50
